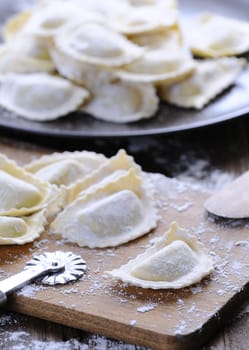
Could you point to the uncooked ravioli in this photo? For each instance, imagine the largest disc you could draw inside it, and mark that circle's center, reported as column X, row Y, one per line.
column 145, row 18
column 15, row 24
column 12, row 60
column 83, row 73
column 122, row 102
column 211, row 35
column 166, row 59
column 109, row 169
column 46, row 19
column 21, row 193
column 109, row 215
column 176, row 260
column 40, row 97
column 21, row 230
column 65, row 168
column 210, row 78
column 94, row 42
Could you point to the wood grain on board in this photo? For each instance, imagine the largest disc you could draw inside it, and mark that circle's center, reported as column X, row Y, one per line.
column 159, row 319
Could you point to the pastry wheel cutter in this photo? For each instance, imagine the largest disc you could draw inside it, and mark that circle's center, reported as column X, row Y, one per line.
column 51, row 268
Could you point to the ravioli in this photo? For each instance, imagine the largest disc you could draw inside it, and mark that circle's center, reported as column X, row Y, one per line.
column 30, row 46
column 122, row 102
column 109, row 215
column 210, row 79
column 94, row 42
column 17, row 193
column 21, row 193
column 217, row 36
column 158, row 68
column 145, row 18
column 176, row 260
column 40, row 97
column 107, row 171
column 82, row 73
column 48, row 18
column 15, row 24
column 21, row 230
column 12, row 61
column 166, row 59
column 65, row 168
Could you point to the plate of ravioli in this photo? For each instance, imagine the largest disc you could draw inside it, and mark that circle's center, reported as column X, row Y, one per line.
column 82, row 68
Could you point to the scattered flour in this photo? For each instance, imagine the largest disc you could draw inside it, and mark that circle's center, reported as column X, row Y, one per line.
column 181, row 327
column 200, row 173
column 192, row 308
column 182, row 207
column 244, row 244
column 147, row 307
column 22, row 340
column 30, row 290
column 133, row 322
column 221, row 292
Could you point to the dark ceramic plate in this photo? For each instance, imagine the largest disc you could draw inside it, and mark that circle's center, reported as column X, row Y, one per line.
column 232, row 103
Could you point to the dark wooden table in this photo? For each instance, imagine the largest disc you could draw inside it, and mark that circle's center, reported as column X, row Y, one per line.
column 207, row 155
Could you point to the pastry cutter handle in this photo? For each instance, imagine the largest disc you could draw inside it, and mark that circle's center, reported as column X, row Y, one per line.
column 20, row 279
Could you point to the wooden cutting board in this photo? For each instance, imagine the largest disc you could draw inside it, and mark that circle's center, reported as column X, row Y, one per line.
column 159, row 319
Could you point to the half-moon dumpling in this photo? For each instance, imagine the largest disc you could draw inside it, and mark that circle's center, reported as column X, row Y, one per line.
column 20, row 192
column 12, row 60
column 216, row 36
column 164, row 40
column 30, row 46
column 166, row 59
column 122, row 102
column 159, row 67
column 109, row 215
column 210, row 78
column 94, row 42
column 106, row 172
column 15, row 24
column 40, row 97
column 82, row 73
column 21, row 230
column 145, row 18
column 65, row 168
column 46, row 19
column 176, row 260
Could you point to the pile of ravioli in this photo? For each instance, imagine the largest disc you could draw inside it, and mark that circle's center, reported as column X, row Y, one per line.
column 115, row 60
column 98, row 202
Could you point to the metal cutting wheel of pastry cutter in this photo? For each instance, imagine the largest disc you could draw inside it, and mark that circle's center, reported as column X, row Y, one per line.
column 51, row 268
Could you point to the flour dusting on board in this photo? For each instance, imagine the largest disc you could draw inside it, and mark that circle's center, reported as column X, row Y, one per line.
column 146, row 307
column 30, row 290
column 20, row 339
